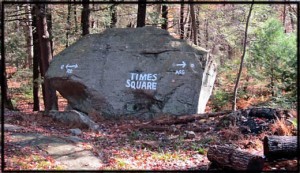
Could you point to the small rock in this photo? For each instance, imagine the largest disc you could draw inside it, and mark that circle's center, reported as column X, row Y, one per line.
column 75, row 139
column 75, row 132
column 11, row 128
column 189, row 135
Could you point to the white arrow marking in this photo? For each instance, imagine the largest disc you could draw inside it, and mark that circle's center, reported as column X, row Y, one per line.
column 71, row 66
column 182, row 65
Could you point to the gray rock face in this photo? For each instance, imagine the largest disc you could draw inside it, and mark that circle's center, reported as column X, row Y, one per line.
column 133, row 72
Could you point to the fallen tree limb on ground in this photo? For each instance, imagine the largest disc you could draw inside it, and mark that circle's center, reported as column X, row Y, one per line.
column 153, row 128
column 280, row 146
column 229, row 157
column 268, row 113
column 188, row 118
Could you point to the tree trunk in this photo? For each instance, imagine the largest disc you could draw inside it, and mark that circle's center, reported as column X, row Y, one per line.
column 193, row 19
column 164, row 14
column 157, row 11
column 280, row 147
column 45, row 56
column 242, row 60
column 113, row 12
column 18, row 19
column 189, row 30
column 229, row 157
column 7, row 103
column 181, row 20
column 29, row 39
column 49, row 26
column 36, row 55
column 5, row 99
column 284, row 16
column 141, row 15
column 291, row 18
column 197, row 20
column 68, row 24
column 75, row 18
column 206, row 33
column 85, row 17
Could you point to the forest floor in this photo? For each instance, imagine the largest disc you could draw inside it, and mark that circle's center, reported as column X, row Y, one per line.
column 34, row 141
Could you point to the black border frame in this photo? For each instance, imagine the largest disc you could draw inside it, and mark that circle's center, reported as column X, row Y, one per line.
column 2, row 65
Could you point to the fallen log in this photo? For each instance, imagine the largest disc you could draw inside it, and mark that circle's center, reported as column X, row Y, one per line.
column 153, row 128
column 228, row 157
column 280, row 147
column 188, row 118
column 268, row 113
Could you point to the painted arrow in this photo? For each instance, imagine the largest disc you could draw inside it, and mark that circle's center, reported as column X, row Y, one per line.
column 71, row 66
column 182, row 65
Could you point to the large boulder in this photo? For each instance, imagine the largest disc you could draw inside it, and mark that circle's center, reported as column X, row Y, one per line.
column 133, row 72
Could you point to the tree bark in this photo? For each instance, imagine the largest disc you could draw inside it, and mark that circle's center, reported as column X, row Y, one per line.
column 18, row 19
column 68, row 24
column 188, row 21
column 291, row 18
column 242, row 60
column 5, row 99
column 206, row 33
column 29, row 39
column 85, row 17
column 141, row 15
column 113, row 12
column 75, row 18
column 280, row 147
column 181, row 20
column 53, row 95
column 229, row 157
column 193, row 19
column 284, row 16
column 49, row 26
column 164, row 14
column 45, row 55
column 36, row 55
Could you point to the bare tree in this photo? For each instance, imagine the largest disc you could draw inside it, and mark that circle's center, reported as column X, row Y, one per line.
column 28, row 34
column 85, row 17
column 291, row 18
column 36, row 55
column 181, row 23
column 242, row 59
column 75, row 18
column 284, row 16
column 68, row 27
column 5, row 99
column 193, row 19
column 49, row 94
column 113, row 12
column 141, row 15
column 164, row 14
